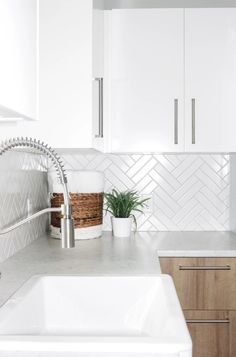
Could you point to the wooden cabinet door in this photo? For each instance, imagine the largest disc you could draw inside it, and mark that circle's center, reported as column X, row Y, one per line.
column 146, row 80
column 213, row 333
column 203, row 283
column 210, row 79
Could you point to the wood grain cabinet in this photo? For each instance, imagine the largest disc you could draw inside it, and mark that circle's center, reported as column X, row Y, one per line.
column 207, row 292
column 212, row 332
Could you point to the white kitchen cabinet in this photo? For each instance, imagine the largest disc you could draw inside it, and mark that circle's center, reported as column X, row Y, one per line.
column 18, row 59
column 210, row 79
column 65, row 73
column 98, row 43
column 134, row 80
column 65, row 76
column 169, row 70
column 143, row 84
column 98, row 79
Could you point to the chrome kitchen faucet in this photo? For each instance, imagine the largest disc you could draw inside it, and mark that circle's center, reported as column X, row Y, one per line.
column 67, row 223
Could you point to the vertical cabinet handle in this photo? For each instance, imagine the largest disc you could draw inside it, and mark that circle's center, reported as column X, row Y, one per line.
column 176, row 119
column 193, row 121
column 100, row 110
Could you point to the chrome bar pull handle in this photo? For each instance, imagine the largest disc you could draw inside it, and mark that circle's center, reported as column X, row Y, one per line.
column 176, row 119
column 200, row 321
column 193, row 121
column 100, row 110
column 209, row 267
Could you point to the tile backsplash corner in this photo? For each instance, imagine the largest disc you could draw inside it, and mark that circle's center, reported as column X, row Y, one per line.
column 23, row 187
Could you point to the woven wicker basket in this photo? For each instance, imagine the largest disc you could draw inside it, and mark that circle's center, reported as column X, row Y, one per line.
column 87, row 209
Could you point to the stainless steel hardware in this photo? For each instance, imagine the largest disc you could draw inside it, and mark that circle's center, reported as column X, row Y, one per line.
column 100, row 110
column 218, row 267
column 200, row 321
column 176, row 119
column 193, row 121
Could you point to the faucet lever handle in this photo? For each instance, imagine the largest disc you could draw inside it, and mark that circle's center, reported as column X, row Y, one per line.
column 66, row 210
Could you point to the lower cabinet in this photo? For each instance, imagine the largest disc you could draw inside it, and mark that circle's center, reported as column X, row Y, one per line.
column 203, row 283
column 206, row 289
column 212, row 332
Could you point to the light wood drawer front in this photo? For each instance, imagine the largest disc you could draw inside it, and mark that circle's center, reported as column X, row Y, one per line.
column 203, row 283
column 212, row 333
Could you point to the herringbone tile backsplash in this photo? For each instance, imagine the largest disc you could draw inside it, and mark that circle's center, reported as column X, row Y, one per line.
column 187, row 192
column 23, row 190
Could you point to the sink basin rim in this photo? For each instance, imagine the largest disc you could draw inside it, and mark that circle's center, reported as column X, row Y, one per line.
column 105, row 343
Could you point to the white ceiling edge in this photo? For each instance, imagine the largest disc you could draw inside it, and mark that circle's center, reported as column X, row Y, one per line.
column 126, row 4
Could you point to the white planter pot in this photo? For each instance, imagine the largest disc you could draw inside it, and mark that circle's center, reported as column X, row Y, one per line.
column 121, row 226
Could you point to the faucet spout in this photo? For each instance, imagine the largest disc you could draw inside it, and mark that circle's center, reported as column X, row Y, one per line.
column 67, row 222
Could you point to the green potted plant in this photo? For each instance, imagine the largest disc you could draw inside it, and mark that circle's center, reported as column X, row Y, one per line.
column 122, row 206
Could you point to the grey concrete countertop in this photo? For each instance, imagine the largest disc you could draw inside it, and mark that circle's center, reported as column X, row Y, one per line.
column 102, row 256
column 137, row 255
column 196, row 244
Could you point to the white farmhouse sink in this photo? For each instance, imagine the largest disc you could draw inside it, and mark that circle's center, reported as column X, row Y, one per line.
column 96, row 316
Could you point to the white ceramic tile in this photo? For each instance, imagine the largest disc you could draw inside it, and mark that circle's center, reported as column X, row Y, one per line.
column 189, row 192
column 23, row 177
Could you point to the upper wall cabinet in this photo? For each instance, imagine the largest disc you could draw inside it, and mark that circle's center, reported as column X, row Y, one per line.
column 65, row 72
column 143, row 84
column 18, row 59
column 98, row 75
column 65, row 75
column 170, row 80
column 210, row 79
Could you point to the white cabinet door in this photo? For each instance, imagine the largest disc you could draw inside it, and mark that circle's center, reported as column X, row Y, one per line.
column 65, row 72
column 146, row 80
column 98, row 79
column 210, row 50
column 18, row 59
